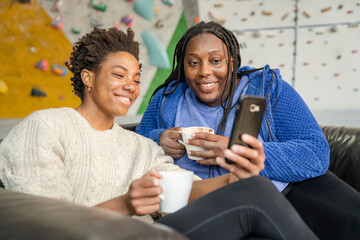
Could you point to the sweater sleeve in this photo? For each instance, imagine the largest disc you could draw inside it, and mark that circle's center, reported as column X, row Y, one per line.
column 301, row 151
column 31, row 161
column 149, row 125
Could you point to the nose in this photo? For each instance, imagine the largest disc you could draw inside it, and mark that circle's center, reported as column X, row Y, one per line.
column 205, row 69
column 130, row 86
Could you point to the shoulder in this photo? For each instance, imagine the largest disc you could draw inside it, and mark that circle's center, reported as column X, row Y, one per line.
column 49, row 113
column 137, row 139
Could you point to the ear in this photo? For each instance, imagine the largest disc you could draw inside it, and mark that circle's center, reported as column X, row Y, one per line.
column 87, row 77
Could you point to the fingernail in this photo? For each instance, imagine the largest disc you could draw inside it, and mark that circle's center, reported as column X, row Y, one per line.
column 236, row 147
column 227, row 152
column 187, row 141
column 188, row 153
column 193, row 135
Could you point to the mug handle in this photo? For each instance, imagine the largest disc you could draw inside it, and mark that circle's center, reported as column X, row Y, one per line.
column 179, row 141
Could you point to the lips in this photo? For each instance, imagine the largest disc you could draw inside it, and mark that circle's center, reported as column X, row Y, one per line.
column 208, row 87
column 124, row 99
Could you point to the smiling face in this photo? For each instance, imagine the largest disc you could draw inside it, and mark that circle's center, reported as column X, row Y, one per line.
column 205, row 67
column 115, row 87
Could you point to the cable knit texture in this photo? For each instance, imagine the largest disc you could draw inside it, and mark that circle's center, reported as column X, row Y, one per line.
column 56, row 153
column 299, row 150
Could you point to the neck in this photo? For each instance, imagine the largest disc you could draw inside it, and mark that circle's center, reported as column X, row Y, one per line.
column 97, row 119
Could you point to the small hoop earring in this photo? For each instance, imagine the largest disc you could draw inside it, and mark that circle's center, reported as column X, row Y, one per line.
column 89, row 89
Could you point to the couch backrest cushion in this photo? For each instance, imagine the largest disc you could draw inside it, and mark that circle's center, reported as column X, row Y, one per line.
column 344, row 145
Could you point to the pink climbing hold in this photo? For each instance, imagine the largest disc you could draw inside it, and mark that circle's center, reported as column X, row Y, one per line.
column 42, row 65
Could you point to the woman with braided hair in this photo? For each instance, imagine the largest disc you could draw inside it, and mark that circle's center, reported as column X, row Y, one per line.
column 203, row 90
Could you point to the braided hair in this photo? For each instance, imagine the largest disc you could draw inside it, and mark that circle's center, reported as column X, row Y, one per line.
column 91, row 50
column 232, row 46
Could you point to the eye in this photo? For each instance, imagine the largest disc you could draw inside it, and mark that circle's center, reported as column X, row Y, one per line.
column 137, row 81
column 216, row 60
column 193, row 63
column 119, row 75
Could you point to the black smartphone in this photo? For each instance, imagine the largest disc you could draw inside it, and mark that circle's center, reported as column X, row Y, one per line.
column 248, row 117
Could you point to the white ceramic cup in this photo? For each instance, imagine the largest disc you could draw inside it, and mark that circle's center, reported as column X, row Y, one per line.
column 176, row 187
column 186, row 134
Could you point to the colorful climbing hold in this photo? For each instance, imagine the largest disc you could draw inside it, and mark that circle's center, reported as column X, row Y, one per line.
column 217, row 18
column 157, row 53
column 145, row 8
column 98, row 6
column 159, row 24
column 285, row 16
column 3, row 88
column 128, row 20
column 36, row 92
column 95, row 23
column 58, row 5
column 169, row 2
column 326, row 9
column 58, row 22
column 42, row 65
column 197, row 19
column 267, row 13
column 306, row 14
column 59, row 70
column 75, row 30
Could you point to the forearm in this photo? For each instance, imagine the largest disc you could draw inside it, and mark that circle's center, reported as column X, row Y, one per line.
column 116, row 204
column 203, row 187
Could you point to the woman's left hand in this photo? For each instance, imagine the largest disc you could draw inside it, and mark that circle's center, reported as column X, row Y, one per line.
column 214, row 145
column 247, row 161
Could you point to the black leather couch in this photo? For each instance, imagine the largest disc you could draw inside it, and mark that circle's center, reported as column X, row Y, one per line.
column 329, row 204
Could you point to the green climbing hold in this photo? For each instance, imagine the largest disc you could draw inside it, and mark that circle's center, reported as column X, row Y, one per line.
column 98, row 6
column 75, row 31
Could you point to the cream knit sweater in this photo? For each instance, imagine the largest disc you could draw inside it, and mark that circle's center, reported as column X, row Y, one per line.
column 56, row 153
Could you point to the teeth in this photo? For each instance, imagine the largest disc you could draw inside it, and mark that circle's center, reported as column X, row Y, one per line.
column 125, row 98
column 207, row 84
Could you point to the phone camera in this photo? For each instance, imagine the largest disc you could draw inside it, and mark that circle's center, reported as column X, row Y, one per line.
column 254, row 108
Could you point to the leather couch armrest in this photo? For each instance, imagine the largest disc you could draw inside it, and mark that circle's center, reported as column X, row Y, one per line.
column 344, row 145
column 25, row 216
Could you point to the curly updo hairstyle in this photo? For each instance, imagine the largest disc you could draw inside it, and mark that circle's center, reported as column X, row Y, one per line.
column 90, row 51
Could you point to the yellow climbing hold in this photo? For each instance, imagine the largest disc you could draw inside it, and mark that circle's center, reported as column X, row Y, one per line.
column 3, row 88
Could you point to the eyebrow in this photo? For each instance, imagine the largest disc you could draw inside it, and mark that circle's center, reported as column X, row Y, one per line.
column 214, row 51
column 125, row 69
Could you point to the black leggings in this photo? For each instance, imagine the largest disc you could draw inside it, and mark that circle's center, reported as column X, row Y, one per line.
column 248, row 209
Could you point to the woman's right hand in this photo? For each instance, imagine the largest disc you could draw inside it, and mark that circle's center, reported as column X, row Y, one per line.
column 168, row 142
column 247, row 161
column 143, row 195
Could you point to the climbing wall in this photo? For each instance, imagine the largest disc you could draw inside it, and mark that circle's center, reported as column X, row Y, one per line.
column 313, row 43
column 46, row 29
column 26, row 37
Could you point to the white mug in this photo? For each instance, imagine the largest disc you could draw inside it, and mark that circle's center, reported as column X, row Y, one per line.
column 176, row 187
column 186, row 134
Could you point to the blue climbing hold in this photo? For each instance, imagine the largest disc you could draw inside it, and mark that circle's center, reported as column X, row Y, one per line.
column 145, row 8
column 169, row 2
column 157, row 53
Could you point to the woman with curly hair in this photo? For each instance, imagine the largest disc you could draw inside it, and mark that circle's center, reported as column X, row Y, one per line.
column 82, row 156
